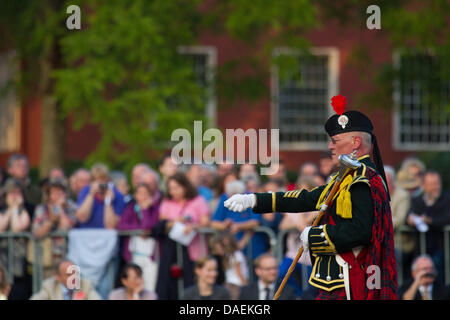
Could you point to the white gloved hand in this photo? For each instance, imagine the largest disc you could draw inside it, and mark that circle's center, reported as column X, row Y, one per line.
column 240, row 202
column 304, row 238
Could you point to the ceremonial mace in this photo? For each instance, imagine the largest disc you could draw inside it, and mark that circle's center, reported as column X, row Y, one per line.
column 347, row 162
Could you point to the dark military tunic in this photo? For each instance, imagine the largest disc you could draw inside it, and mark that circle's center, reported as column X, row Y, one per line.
column 330, row 237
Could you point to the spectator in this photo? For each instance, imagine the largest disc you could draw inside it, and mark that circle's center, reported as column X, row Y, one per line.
column 296, row 222
column 400, row 200
column 167, row 168
column 423, row 285
column 63, row 285
column 56, row 173
column 194, row 175
column 142, row 214
column 121, row 183
column 247, row 169
column 57, row 213
column 431, row 210
column 400, row 204
column 416, row 168
column 252, row 182
column 225, row 168
column 133, row 285
column 241, row 225
column 14, row 217
column 217, row 251
column 280, row 175
column 326, row 166
column 151, row 178
column 318, row 179
column 308, row 169
column 18, row 168
column 272, row 220
column 264, row 288
column 137, row 172
column 208, row 174
column 235, row 265
column 5, row 287
column 78, row 180
column 206, row 287
column 183, row 205
column 100, row 204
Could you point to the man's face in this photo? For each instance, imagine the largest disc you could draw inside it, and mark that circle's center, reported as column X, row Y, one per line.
column 432, row 185
column 65, row 271
column 340, row 144
column 424, row 266
column 267, row 270
column 136, row 174
column 19, row 169
column 82, row 179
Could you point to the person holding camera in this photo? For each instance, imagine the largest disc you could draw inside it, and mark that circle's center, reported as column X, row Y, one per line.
column 100, row 203
column 15, row 217
column 423, row 285
column 57, row 213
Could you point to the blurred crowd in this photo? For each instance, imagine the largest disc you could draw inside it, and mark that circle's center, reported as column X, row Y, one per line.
column 174, row 204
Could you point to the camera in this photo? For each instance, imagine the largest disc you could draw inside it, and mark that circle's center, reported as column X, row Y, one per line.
column 103, row 187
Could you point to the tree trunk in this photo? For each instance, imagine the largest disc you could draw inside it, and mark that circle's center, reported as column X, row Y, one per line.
column 53, row 126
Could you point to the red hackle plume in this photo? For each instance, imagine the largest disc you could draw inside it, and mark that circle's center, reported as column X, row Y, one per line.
column 339, row 102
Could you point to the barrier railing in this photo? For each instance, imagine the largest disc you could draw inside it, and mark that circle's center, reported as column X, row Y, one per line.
column 276, row 242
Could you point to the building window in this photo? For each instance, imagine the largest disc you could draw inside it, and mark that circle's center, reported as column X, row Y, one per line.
column 301, row 105
column 421, row 97
column 204, row 59
column 9, row 105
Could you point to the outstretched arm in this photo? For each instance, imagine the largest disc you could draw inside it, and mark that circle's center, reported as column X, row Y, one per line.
column 290, row 201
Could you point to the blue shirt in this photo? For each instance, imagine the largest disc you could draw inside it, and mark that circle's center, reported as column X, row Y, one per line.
column 205, row 192
column 258, row 241
column 98, row 207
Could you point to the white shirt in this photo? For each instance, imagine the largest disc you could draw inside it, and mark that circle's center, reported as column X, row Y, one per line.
column 262, row 290
column 231, row 276
column 429, row 290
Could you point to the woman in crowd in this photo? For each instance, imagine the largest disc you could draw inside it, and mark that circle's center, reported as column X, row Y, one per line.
column 235, row 265
column 205, row 288
column 57, row 213
column 142, row 213
column 133, row 285
column 184, row 207
column 14, row 217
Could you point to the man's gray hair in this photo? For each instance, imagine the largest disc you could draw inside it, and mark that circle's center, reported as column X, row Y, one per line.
column 422, row 256
column 15, row 157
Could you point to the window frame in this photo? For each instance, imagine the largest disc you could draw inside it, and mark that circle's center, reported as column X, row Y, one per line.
column 397, row 144
column 211, row 53
column 333, row 87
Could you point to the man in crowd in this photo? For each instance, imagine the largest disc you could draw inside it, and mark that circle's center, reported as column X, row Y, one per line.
column 18, row 168
column 66, row 284
column 432, row 207
column 100, row 204
column 423, row 285
column 266, row 269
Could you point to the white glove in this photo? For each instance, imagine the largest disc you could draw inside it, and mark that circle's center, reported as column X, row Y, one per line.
column 240, row 202
column 304, row 238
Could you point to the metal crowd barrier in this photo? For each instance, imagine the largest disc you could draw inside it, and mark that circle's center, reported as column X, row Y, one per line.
column 276, row 242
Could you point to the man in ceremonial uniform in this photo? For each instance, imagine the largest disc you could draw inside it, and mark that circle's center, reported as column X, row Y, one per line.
column 352, row 248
